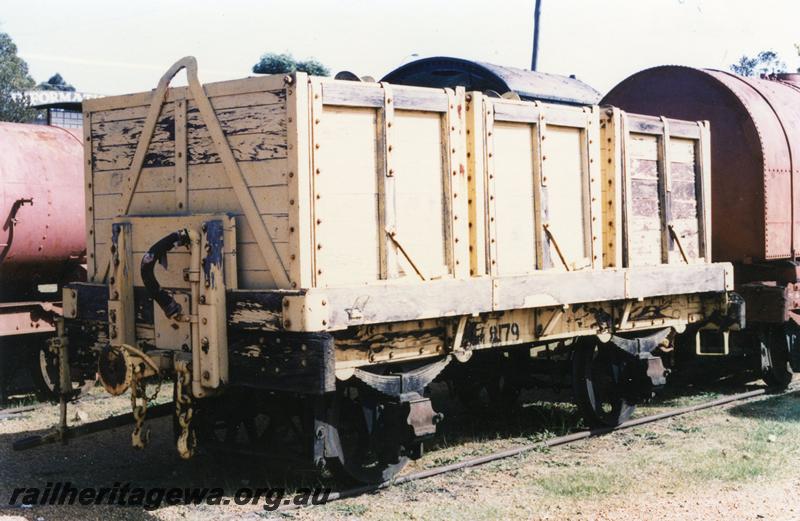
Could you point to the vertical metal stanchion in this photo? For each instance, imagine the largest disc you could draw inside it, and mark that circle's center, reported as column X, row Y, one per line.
column 64, row 380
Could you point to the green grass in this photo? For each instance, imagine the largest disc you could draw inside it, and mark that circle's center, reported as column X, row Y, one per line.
column 719, row 466
column 753, row 441
column 349, row 509
column 670, row 400
column 751, row 444
column 580, row 483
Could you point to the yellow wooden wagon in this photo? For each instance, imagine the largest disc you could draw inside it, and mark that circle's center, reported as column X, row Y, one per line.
column 317, row 251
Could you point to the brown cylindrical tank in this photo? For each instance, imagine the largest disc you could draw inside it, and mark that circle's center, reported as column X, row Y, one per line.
column 42, row 215
column 755, row 151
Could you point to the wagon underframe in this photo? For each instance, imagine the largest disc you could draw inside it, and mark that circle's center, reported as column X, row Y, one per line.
column 393, row 323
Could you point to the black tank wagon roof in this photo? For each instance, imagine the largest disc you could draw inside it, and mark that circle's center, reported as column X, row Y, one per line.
column 442, row 71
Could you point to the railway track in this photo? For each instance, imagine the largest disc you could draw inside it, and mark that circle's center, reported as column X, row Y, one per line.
column 552, row 442
column 9, row 412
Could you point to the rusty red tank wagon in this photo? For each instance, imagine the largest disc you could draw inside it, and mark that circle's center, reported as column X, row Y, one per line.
column 755, row 180
column 43, row 240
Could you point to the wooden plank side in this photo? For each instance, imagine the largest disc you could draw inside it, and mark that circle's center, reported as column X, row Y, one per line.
column 678, row 279
column 352, row 94
column 477, row 176
column 300, row 220
column 243, row 120
column 642, row 146
column 252, row 270
column 683, row 200
column 272, row 172
column 703, row 188
column 556, row 288
column 156, row 196
column 513, row 191
column 422, row 99
column 387, row 215
column 611, row 181
column 515, row 112
column 181, row 181
column 401, row 302
column 644, row 221
column 242, row 86
column 154, row 179
column 419, row 187
column 591, row 164
column 553, row 288
column 277, row 224
column 89, row 191
column 491, row 197
column 110, row 129
column 390, row 302
column 457, row 185
column 245, row 147
column 159, row 153
column 642, row 124
column 527, row 112
column 257, row 174
column 346, row 196
column 355, row 94
column 219, row 102
column 269, row 200
column 563, row 154
column 254, row 133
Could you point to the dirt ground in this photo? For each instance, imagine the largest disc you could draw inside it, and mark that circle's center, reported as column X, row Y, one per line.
column 740, row 462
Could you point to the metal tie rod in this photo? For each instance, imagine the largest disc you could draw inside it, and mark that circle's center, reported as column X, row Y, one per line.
column 112, row 422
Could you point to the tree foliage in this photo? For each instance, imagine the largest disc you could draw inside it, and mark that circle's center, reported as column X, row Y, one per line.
column 56, row 82
column 765, row 62
column 14, row 81
column 273, row 63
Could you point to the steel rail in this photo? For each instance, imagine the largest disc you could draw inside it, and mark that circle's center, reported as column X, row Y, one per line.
column 552, row 442
column 81, row 398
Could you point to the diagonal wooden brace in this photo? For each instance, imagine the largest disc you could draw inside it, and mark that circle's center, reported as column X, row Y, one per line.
column 243, row 195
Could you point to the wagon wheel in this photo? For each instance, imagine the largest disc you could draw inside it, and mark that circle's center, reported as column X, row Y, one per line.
column 366, row 440
column 229, row 426
column 777, row 340
column 45, row 374
column 598, row 380
column 498, row 391
column 494, row 383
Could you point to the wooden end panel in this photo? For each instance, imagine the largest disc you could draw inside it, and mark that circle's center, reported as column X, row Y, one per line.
column 184, row 174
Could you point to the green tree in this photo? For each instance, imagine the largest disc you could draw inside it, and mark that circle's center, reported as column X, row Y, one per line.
column 56, row 82
column 313, row 67
column 273, row 63
column 765, row 62
column 14, row 81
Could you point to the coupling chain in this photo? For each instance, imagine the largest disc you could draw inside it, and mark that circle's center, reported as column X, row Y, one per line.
column 140, row 437
column 187, row 440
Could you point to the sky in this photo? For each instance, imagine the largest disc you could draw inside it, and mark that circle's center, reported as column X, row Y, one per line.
column 114, row 47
